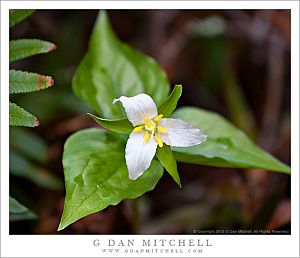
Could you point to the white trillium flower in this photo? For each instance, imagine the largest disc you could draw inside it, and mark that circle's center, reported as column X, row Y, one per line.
column 151, row 130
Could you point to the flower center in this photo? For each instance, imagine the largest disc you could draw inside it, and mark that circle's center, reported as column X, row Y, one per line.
column 150, row 126
column 151, row 129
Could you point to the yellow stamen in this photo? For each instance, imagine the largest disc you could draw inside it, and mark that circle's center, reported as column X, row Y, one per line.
column 158, row 140
column 161, row 129
column 138, row 129
column 157, row 118
column 146, row 136
column 146, row 120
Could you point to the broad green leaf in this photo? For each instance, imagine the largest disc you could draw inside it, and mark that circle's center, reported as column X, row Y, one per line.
column 23, row 82
column 119, row 125
column 170, row 104
column 16, row 16
column 226, row 146
column 166, row 158
column 21, row 48
column 22, row 167
column 18, row 211
column 96, row 175
column 111, row 69
column 29, row 144
column 20, row 117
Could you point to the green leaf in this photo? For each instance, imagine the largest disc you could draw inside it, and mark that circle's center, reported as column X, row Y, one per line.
column 96, row 175
column 18, row 211
column 170, row 104
column 22, row 167
column 29, row 144
column 166, row 158
column 16, row 16
column 23, row 82
column 20, row 117
column 21, row 48
column 226, row 146
column 119, row 125
column 111, row 69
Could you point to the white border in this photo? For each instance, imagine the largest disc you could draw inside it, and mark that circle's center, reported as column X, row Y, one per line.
column 82, row 246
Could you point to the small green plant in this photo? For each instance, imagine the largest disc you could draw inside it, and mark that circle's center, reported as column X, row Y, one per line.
column 21, row 81
column 27, row 150
column 95, row 169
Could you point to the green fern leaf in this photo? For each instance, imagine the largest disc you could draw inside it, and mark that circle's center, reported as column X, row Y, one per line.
column 20, row 117
column 16, row 16
column 23, row 82
column 22, row 48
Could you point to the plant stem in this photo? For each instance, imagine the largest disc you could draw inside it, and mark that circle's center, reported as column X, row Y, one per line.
column 135, row 224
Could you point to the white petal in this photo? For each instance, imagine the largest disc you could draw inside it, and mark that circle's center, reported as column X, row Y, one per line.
column 139, row 154
column 180, row 133
column 138, row 107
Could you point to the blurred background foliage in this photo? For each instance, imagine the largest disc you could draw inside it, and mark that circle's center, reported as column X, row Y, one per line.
column 234, row 62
